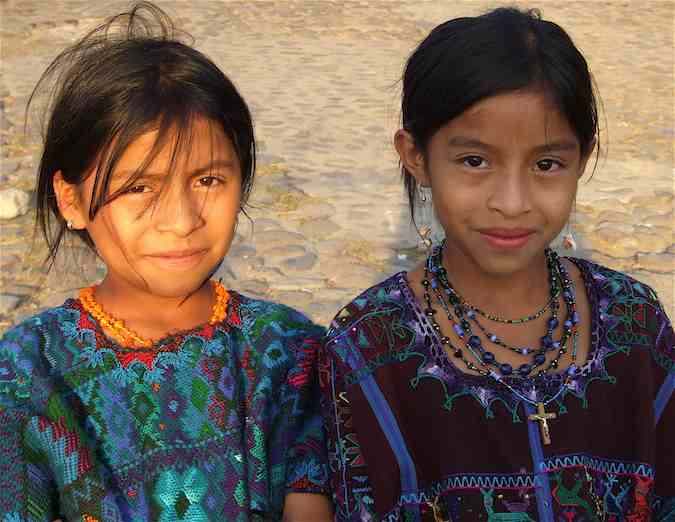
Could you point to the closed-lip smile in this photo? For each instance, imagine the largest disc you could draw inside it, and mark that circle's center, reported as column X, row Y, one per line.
column 507, row 233
column 178, row 259
column 506, row 238
column 178, row 254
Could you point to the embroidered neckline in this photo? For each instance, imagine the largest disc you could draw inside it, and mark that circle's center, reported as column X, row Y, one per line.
column 487, row 391
column 171, row 343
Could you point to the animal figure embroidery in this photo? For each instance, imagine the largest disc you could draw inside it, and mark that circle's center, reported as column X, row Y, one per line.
column 569, row 515
column 570, row 497
column 488, row 502
column 613, row 502
column 641, row 510
column 438, row 512
column 519, row 506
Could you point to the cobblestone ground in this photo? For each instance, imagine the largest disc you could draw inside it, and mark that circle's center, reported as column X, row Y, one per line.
column 321, row 77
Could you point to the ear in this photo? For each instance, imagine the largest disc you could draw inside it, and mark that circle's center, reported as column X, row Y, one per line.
column 411, row 156
column 68, row 200
column 585, row 158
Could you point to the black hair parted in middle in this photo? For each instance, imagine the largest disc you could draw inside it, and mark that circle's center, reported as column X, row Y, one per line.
column 465, row 60
column 128, row 76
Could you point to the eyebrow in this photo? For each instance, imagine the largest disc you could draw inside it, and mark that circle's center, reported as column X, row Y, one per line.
column 201, row 170
column 556, row 146
column 461, row 141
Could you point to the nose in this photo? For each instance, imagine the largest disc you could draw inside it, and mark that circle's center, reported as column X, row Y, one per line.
column 511, row 194
column 178, row 210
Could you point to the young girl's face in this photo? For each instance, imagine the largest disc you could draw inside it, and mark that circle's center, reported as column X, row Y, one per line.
column 504, row 177
column 168, row 231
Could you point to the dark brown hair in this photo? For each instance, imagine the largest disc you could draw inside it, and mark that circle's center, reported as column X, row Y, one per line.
column 465, row 60
column 127, row 76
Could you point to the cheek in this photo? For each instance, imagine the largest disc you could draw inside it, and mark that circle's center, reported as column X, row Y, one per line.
column 556, row 200
column 455, row 209
column 113, row 227
column 454, row 193
column 222, row 212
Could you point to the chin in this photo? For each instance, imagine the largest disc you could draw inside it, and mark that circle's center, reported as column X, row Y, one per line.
column 511, row 262
column 177, row 289
column 498, row 267
column 502, row 261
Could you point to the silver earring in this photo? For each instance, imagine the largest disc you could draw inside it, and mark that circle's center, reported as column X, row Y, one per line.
column 425, row 217
column 568, row 241
column 425, row 237
column 69, row 225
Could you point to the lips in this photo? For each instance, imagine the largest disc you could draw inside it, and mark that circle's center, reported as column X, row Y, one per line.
column 506, row 237
column 178, row 259
column 507, row 233
column 178, row 254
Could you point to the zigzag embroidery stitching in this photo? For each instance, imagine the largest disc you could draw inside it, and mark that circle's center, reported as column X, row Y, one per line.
column 463, row 482
column 614, row 467
column 519, row 481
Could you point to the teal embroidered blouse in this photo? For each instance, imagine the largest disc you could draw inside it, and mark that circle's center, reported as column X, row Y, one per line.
column 217, row 423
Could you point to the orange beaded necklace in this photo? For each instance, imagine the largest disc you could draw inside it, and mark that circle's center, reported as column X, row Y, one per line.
column 130, row 339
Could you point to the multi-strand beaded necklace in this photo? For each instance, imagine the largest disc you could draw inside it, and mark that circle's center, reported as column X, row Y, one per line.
column 462, row 315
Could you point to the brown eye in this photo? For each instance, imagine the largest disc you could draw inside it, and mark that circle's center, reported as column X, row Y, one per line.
column 208, row 181
column 473, row 161
column 547, row 165
column 138, row 189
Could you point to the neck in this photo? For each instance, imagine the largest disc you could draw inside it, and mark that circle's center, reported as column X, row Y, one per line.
column 509, row 294
column 151, row 312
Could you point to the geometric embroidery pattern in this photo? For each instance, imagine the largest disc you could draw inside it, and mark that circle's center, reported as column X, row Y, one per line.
column 210, row 424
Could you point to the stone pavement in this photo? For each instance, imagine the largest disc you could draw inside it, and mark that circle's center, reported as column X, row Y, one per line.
column 321, row 78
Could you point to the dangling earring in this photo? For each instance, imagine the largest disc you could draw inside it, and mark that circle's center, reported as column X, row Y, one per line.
column 69, row 225
column 426, row 212
column 568, row 241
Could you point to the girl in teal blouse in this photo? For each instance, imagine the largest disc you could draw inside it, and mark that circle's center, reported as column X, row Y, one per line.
column 157, row 394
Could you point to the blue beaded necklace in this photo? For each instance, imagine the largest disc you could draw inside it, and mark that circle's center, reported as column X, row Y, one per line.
column 461, row 315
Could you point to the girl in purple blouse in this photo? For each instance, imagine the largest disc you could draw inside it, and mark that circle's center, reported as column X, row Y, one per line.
column 496, row 380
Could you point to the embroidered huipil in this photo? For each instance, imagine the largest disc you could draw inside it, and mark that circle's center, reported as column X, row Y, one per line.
column 410, row 434
column 216, row 423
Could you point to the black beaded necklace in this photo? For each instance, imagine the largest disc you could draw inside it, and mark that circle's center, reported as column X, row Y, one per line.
column 552, row 302
column 471, row 312
column 461, row 314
